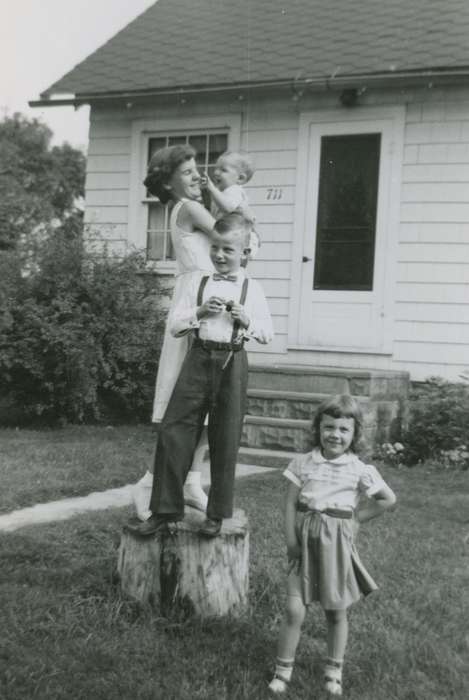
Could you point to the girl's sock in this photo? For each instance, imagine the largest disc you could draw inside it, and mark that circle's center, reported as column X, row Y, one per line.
column 283, row 672
column 333, row 676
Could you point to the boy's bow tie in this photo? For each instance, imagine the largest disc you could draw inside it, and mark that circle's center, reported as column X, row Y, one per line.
column 225, row 278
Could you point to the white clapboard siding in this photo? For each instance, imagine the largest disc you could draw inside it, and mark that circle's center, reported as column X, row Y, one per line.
column 96, row 181
column 430, row 312
column 282, row 139
column 273, row 270
column 434, row 232
column 428, row 332
column 273, row 251
column 272, row 178
column 444, row 153
column 447, row 293
column 108, row 164
column 275, row 160
column 278, row 233
column 114, row 146
column 444, row 353
column 106, row 215
column 444, row 252
column 439, row 174
column 436, row 211
column 112, row 197
column 437, row 192
column 433, row 273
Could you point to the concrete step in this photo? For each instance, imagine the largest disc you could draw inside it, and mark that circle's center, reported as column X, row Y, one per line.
column 377, row 384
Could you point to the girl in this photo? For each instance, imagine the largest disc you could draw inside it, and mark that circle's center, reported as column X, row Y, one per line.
column 173, row 177
column 322, row 511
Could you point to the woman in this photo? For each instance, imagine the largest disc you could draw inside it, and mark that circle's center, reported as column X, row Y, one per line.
column 173, row 176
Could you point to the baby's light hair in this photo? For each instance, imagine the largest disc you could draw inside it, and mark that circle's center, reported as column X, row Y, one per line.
column 243, row 162
column 234, row 221
column 339, row 406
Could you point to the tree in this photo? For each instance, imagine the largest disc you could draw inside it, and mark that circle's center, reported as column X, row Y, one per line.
column 39, row 184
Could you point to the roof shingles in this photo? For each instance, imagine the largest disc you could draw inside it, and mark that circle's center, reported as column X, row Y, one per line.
column 183, row 43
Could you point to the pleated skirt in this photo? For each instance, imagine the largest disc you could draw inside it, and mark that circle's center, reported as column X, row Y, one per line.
column 330, row 571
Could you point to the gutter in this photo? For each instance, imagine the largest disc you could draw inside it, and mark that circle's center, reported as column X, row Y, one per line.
column 430, row 78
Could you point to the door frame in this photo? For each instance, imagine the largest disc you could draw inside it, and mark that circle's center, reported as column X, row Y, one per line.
column 393, row 120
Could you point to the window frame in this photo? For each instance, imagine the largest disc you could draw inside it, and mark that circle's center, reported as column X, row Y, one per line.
column 142, row 131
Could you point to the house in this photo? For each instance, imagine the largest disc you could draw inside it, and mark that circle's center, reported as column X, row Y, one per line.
column 357, row 117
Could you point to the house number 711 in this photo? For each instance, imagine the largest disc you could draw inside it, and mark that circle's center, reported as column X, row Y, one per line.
column 274, row 193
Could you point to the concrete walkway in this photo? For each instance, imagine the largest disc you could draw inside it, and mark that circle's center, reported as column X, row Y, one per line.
column 99, row 500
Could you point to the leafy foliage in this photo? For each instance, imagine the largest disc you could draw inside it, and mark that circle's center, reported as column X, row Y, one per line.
column 438, row 421
column 80, row 333
column 38, row 184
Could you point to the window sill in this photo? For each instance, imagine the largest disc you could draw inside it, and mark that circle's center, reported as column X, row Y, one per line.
column 154, row 267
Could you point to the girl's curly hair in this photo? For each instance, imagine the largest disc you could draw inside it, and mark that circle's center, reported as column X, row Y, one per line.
column 162, row 166
column 339, row 406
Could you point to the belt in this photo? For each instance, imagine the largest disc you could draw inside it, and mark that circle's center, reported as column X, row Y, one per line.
column 214, row 345
column 332, row 512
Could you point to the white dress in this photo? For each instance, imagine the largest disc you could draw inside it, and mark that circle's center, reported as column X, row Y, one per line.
column 192, row 255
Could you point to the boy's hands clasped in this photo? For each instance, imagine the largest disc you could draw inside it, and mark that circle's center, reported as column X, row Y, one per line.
column 215, row 305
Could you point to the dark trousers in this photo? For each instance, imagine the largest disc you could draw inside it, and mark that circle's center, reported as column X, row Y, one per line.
column 204, row 386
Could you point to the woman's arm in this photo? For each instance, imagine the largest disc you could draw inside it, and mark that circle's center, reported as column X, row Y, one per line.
column 194, row 216
column 293, row 546
column 379, row 502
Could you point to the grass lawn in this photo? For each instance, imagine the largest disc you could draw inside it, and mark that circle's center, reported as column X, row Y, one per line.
column 67, row 633
column 44, row 465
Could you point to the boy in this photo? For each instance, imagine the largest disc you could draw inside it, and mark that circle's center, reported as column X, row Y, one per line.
column 233, row 171
column 222, row 311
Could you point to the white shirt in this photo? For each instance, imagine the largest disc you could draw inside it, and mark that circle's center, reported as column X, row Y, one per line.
column 235, row 197
column 219, row 328
column 335, row 483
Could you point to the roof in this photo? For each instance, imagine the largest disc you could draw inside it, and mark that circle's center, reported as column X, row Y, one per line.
column 209, row 43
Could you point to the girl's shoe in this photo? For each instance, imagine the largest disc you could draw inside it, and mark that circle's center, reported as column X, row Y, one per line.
column 141, row 494
column 333, row 680
column 278, row 685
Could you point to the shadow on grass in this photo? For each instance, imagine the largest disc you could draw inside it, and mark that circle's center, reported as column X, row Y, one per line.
column 67, row 631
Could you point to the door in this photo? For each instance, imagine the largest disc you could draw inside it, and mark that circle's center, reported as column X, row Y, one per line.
column 346, row 228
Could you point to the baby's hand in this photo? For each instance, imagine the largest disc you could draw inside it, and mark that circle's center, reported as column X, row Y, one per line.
column 238, row 314
column 211, row 307
column 206, row 183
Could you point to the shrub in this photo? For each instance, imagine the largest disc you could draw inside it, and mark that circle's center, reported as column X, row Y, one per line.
column 80, row 334
column 438, row 425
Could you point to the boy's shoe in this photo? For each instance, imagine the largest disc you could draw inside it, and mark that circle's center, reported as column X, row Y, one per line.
column 154, row 524
column 210, row 528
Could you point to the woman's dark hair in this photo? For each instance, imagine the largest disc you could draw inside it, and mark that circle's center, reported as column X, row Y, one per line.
column 161, row 167
column 339, row 406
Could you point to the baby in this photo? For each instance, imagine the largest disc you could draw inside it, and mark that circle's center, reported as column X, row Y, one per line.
column 227, row 193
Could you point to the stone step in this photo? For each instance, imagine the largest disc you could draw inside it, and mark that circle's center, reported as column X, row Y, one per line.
column 261, row 457
column 294, row 435
column 299, row 405
column 377, row 384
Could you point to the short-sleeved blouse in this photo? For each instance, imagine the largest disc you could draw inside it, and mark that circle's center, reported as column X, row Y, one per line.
column 335, row 483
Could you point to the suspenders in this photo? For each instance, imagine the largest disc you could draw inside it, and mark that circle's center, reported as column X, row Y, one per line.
column 242, row 299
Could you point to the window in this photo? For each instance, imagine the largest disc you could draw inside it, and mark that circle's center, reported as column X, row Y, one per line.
column 346, row 221
column 208, row 146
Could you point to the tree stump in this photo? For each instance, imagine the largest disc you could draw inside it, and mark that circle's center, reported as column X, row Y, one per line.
column 181, row 573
